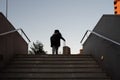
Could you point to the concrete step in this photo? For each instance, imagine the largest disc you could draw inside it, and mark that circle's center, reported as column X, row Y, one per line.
column 54, row 62
column 53, row 66
column 52, row 79
column 52, row 56
column 53, row 59
column 52, row 70
column 55, row 75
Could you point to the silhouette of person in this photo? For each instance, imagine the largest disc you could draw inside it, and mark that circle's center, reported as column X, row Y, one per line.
column 55, row 41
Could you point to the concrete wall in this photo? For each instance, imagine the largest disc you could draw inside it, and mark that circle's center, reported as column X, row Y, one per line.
column 105, row 52
column 10, row 44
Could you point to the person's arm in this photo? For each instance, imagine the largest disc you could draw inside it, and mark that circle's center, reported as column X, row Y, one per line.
column 62, row 38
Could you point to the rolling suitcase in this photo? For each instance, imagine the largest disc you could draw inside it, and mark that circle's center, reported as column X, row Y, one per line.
column 66, row 49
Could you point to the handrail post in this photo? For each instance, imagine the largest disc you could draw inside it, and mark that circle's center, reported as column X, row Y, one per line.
column 84, row 36
column 25, row 35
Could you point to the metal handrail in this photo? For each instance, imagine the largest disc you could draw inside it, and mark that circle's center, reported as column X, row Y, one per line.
column 101, row 36
column 12, row 31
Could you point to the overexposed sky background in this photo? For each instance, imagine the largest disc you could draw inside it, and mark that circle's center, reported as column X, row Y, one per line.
column 39, row 18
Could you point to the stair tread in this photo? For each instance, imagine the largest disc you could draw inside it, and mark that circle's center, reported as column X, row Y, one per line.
column 54, row 66
column 52, row 56
column 50, row 67
column 59, row 62
column 75, row 70
column 56, row 79
column 52, row 59
column 54, row 75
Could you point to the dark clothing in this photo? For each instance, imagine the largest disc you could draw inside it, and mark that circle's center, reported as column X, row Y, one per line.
column 55, row 42
column 55, row 39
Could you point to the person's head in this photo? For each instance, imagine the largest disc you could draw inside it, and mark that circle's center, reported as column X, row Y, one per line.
column 56, row 31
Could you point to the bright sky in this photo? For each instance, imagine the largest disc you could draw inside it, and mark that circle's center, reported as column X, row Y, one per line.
column 39, row 18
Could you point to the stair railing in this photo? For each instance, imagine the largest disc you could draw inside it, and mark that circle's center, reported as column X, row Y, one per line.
column 99, row 35
column 12, row 31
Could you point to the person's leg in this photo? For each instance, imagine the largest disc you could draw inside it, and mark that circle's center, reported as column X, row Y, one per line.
column 56, row 50
column 53, row 50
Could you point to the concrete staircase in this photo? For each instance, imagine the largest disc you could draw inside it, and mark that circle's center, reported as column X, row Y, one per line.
column 53, row 67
